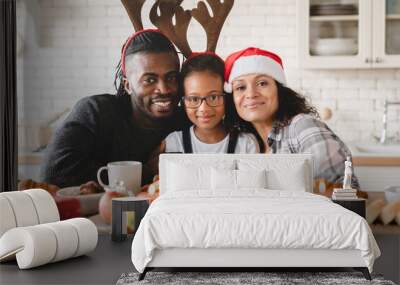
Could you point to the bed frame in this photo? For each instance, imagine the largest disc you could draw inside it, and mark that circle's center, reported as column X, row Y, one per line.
column 242, row 259
column 245, row 258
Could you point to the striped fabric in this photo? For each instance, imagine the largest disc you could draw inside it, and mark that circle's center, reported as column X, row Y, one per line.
column 306, row 134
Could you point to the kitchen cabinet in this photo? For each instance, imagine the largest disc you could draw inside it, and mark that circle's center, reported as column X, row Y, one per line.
column 377, row 178
column 348, row 34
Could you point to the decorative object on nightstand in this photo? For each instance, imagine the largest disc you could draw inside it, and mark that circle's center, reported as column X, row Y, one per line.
column 346, row 193
column 347, row 196
column 139, row 205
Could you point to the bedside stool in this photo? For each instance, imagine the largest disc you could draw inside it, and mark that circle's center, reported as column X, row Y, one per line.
column 355, row 205
column 139, row 205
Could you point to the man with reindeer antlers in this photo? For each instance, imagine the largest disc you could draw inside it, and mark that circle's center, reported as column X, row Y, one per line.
column 131, row 124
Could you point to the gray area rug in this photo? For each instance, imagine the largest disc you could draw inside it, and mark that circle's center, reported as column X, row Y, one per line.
column 228, row 278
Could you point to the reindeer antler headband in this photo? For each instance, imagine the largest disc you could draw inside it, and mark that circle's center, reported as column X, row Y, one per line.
column 212, row 25
column 177, row 32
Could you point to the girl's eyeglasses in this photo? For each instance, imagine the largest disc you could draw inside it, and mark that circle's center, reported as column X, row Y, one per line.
column 196, row 101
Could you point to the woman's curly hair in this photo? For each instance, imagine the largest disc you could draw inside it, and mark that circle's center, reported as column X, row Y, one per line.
column 290, row 104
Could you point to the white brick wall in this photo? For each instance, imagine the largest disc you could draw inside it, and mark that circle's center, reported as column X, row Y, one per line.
column 71, row 48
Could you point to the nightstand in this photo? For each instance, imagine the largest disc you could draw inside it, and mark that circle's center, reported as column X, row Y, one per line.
column 139, row 205
column 355, row 205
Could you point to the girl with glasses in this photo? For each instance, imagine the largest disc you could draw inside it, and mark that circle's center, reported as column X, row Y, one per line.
column 204, row 100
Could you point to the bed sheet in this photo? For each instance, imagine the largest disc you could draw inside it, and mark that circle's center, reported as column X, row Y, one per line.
column 251, row 218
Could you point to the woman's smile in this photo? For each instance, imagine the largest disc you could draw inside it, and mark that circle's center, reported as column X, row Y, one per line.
column 253, row 105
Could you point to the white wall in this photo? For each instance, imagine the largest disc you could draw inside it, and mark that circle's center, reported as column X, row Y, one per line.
column 72, row 48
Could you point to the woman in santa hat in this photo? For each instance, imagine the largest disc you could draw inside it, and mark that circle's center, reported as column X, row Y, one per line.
column 281, row 118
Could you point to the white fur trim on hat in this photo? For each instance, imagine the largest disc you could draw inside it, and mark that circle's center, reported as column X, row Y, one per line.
column 228, row 87
column 255, row 64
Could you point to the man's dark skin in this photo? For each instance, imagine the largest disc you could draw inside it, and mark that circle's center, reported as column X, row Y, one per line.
column 152, row 85
column 98, row 130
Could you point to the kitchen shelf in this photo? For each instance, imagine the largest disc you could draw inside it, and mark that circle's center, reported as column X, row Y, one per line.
column 334, row 18
column 376, row 32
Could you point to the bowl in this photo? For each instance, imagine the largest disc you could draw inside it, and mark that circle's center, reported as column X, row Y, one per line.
column 336, row 41
column 392, row 194
column 334, row 46
column 327, row 50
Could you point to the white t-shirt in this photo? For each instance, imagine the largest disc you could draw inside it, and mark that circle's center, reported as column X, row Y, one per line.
column 246, row 143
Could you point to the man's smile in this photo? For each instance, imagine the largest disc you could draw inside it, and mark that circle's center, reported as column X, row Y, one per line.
column 162, row 105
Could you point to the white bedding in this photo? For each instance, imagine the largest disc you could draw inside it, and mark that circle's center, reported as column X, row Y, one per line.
column 250, row 218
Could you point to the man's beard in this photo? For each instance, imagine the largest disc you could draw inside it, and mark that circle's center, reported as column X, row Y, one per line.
column 143, row 113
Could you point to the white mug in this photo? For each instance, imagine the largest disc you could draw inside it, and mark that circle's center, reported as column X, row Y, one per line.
column 130, row 172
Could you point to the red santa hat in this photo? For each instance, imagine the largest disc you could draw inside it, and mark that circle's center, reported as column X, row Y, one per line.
column 252, row 60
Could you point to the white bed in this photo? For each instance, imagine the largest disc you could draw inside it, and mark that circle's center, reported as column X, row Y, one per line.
column 247, row 211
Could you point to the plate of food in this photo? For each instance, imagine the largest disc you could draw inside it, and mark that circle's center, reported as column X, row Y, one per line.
column 88, row 194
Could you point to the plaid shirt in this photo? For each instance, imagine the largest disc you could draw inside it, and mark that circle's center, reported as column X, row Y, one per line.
column 306, row 134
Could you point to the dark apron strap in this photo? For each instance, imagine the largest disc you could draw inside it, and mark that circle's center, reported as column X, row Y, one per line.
column 187, row 142
column 233, row 138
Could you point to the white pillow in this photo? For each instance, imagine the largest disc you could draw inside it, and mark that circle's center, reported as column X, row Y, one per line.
column 183, row 178
column 251, row 178
column 281, row 174
column 236, row 179
column 190, row 176
column 223, row 179
column 292, row 180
